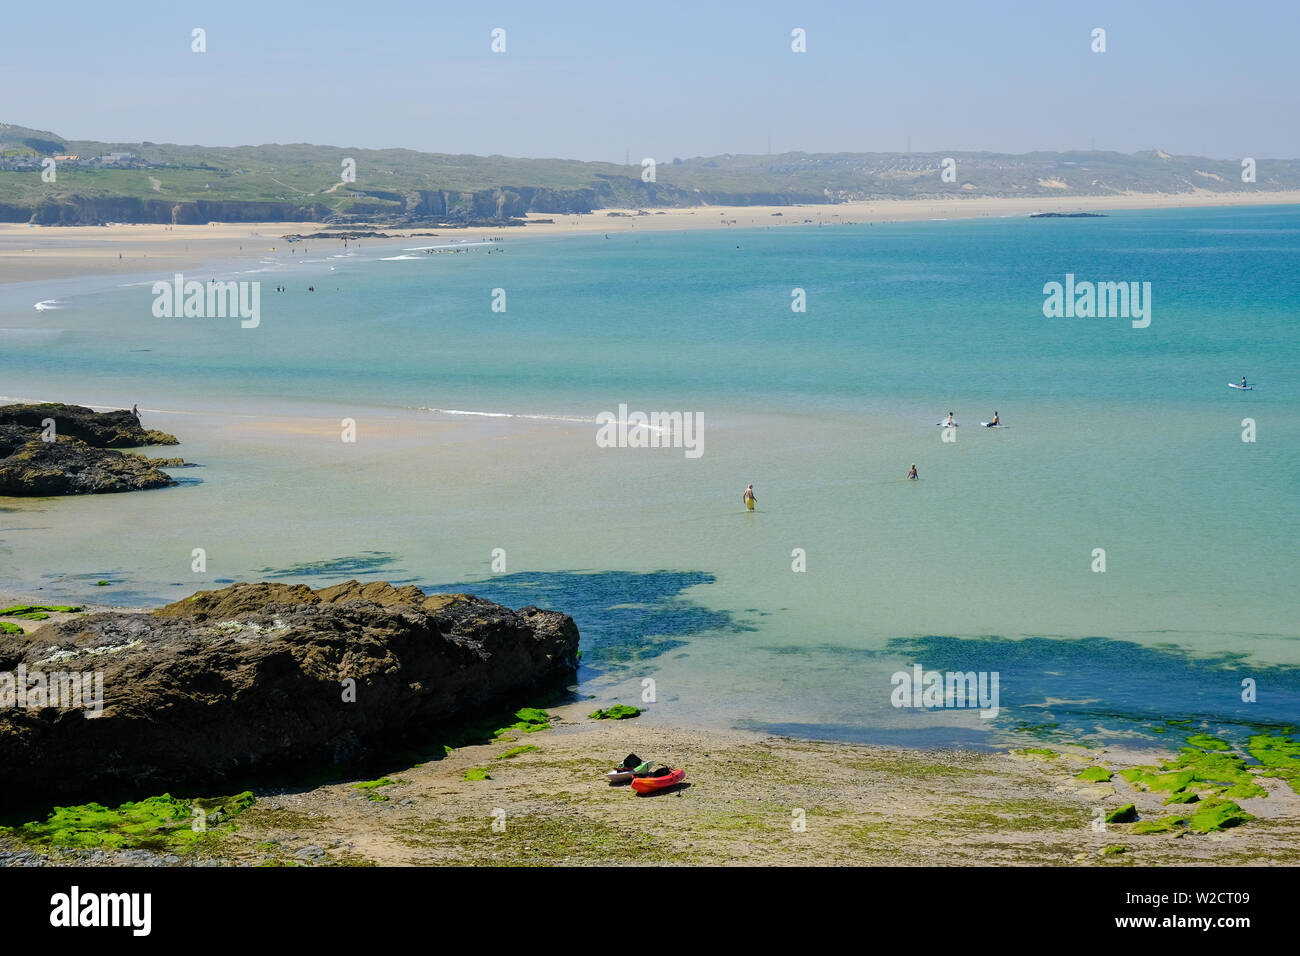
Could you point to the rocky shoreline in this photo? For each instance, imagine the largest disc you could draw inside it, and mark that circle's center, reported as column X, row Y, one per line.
column 256, row 680
column 55, row 449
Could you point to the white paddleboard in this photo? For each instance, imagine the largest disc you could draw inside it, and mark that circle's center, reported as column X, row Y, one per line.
column 946, row 424
column 1244, row 388
column 991, row 425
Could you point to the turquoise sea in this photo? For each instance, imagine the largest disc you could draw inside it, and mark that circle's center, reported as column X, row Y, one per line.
column 476, row 431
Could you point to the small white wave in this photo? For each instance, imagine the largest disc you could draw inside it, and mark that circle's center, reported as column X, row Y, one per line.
column 455, row 244
column 544, row 418
column 396, row 258
column 530, row 417
column 47, row 305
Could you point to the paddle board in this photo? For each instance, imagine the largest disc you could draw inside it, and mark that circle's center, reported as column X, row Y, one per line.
column 947, row 424
column 1244, row 388
column 991, row 425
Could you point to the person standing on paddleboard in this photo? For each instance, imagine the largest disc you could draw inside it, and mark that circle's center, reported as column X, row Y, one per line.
column 749, row 498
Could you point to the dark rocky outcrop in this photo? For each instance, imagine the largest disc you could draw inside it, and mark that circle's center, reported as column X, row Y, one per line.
column 81, row 459
column 230, row 685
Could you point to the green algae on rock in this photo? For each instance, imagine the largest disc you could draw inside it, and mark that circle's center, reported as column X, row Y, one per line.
column 1168, row 824
column 1217, row 815
column 515, row 752
column 1125, row 814
column 1095, row 775
column 160, row 823
column 477, row 773
column 1206, row 742
column 37, row 612
column 1279, row 754
column 527, row 720
column 7, row 628
column 1210, row 816
column 617, row 712
column 372, row 784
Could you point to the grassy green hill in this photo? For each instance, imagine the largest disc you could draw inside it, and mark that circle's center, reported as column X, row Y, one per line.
column 172, row 183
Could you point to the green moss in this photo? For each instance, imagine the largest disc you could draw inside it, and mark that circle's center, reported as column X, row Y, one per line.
column 1095, row 775
column 1125, row 814
column 1279, row 754
column 377, row 797
column 1221, row 768
column 37, row 612
column 617, row 712
column 1150, row 778
column 1206, row 742
column 7, row 628
column 1169, row 824
column 1035, row 752
column 162, row 823
column 1242, row 791
column 104, row 584
column 528, row 720
column 1183, row 796
column 1217, row 815
column 477, row 773
column 515, row 752
column 373, row 784
column 1114, row 850
column 1159, row 730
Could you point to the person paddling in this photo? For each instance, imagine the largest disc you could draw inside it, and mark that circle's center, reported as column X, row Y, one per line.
column 912, row 474
column 950, row 420
column 749, row 498
column 1243, row 381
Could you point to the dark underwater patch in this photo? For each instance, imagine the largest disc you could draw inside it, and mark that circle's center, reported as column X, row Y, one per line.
column 367, row 562
column 1094, row 689
column 623, row 616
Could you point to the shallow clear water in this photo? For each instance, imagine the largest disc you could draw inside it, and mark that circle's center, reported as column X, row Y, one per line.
column 1119, row 438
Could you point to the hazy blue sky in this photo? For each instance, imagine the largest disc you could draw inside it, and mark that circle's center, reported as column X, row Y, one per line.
column 595, row 80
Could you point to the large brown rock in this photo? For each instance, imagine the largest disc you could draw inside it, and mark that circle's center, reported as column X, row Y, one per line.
column 81, row 460
column 117, row 429
column 226, row 686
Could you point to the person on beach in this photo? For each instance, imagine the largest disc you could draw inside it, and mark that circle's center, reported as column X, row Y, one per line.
column 912, row 474
column 749, row 498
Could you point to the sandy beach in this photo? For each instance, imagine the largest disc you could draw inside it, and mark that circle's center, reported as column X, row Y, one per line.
column 748, row 799
column 37, row 253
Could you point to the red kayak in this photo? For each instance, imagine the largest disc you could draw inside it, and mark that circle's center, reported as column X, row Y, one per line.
column 651, row 784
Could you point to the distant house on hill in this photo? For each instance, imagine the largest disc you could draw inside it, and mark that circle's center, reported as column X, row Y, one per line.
column 70, row 158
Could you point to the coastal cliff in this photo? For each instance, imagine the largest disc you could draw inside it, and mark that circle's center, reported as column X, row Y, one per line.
column 56, row 449
column 233, row 685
